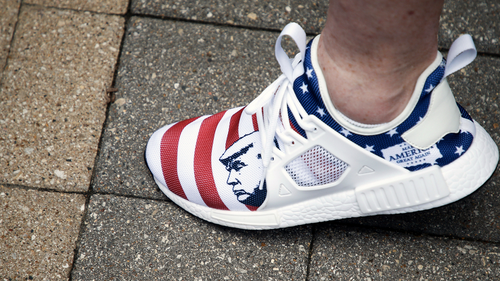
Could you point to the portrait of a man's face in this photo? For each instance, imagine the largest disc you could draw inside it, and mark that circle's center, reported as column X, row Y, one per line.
column 244, row 164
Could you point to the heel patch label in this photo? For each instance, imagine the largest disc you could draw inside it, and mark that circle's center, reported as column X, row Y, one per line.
column 407, row 156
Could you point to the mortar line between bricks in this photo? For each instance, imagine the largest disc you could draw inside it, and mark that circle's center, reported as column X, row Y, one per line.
column 479, row 54
column 90, row 190
column 310, row 253
column 489, row 55
column 140, row 15
column 41, row 189
column 80, row 231
column 89, row 194
column 132, row 196
column 220, row 24
column 416, row 233
column 10, row 44
column 85, row 193
column 256, row 28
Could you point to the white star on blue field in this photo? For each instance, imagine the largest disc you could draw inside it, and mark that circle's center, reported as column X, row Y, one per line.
column 321, row 111
column 345, row 132
column 309, row 72
column 392, row 132
column 428, row 90
column 304, row 88
column 369, row 148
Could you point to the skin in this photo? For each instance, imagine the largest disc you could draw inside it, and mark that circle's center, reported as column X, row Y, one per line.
column 372, row 53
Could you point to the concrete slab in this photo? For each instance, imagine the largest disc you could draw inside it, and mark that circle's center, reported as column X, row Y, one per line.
column 479, row 18
column 52, row 101
column 138, row 239
column 263, row 14
column 99, row 6
column 345, row 253
column 8, row 20
column 38, row 233
column 477, row 88
column 170, row 71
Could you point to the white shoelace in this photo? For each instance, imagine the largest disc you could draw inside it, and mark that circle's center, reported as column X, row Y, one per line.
column 272, row 105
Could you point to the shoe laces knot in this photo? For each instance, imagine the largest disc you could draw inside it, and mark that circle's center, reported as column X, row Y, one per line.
column 272, row 105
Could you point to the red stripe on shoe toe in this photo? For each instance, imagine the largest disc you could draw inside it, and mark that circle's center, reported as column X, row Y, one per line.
column 168, row 151
column 203, row 162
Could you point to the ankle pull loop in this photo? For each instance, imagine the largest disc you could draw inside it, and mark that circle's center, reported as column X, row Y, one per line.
column 443, row 116
column 462, row 52
column 299, row 36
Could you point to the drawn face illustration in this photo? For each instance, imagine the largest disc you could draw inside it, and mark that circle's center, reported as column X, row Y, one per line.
column 244, row 178
column 242, row 161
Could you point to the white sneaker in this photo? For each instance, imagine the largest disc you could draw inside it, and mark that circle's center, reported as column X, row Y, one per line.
column 291, row 158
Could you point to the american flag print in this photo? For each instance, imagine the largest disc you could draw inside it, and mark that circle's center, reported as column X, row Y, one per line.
column 202, row 161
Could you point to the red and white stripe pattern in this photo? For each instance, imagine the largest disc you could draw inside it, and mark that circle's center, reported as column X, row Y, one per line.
column 184, row 157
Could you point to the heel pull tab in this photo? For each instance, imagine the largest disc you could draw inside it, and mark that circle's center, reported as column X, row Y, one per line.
column 443, row 115
column 462, row 52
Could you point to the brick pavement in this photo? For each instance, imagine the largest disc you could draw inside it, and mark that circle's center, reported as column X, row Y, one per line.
column 78, row 202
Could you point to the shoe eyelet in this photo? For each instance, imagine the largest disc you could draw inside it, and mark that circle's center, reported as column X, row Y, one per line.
column 272, row 158
column 293, row 143
column 315, row 129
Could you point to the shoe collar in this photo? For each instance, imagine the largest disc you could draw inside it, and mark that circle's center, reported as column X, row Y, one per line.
column 361, row 129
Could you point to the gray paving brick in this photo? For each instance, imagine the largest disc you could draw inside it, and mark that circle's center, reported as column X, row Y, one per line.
column 171, row 71
column 52, row 99
column 138, row 239
column 38, row 233
column 345, row 253
column 479, row 18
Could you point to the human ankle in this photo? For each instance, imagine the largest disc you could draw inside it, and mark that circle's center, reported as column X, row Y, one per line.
column 375, row 52
column 366, row 91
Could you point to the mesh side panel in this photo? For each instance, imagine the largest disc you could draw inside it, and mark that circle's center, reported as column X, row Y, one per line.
column 315, row 167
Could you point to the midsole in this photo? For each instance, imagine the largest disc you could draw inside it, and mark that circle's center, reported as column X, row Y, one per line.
column 480, row 160
column 419, row 187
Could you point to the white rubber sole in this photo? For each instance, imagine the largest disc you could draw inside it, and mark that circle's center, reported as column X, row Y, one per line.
column 463, row 176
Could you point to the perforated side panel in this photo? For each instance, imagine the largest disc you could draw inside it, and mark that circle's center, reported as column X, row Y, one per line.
column 315, row 167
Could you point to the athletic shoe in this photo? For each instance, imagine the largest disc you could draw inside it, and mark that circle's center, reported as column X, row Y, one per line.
column 290, row 158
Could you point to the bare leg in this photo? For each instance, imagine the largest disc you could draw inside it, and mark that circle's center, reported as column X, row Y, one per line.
column 372, row 53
